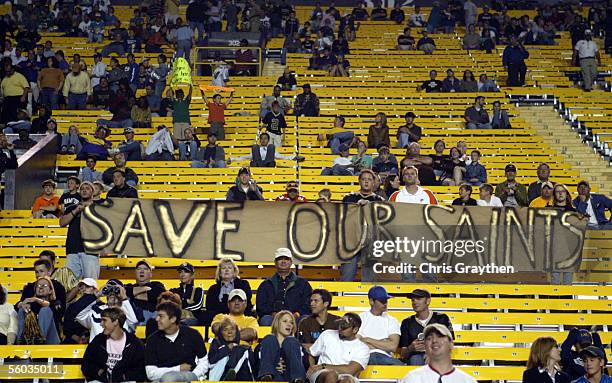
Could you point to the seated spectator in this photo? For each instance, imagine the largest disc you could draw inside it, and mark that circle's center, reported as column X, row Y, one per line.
column 22, row 122
column 306, row 103
column 116, row 75
column 475, row 173
column 431, row 85
column 577, row 342
column 144, row 293
column 561, row 198
column 439, row 158
column 266, row 103
column 423, row 164
column 153, row 99
column 378, row 13
column 426, row 43
column 246, row 188
column 340, row 67
column 511, row 192
column 98, row 71
column 89, row 172
column 594, row 360
column 545, row 199
column 264, row 154
column 534, row 189
column 166, row 296
column 543, row 363
column 412, row 345
column 486, row 85
column 237, row 306
column 102, row 94
column 417, row 19
column 141, row 114
column 379, row 330
column 39, row 124
column 228, row 358
column 293, row 44
column 24, row 142
column 487, row 40
column 88, row 307
column 451, row 83
column 40, row 315
column 337, row 135
column 211, row 156
column 47, row 204
column 340, row 47
column 174, row 353
column 114, row 354
column 408, row 133
column 72, row 196
column 8, row 319
column 283, row 291
column 379, row 132
column 499, row 119
column 342, row 165
column 292, row 194
column 487, row 198
column 385, row 163
column 156, row 41
column 360, row 12
column 121, row 164
column 131, row 148
column 281, row 343
column 243, row 57
column 311, row 327
column 397, row 13
column 161, row 145
column 593, row 206
column 471, row 39
column 51, row 126
column 465, row 196
column 392, row 184
column 192, row 298
column 44, row 268
column 226, row 280
column 71, row 141
column 120, row 188
column 469, row 84
column 116, row 46
column 476, row 116
column 307, row 44
column 361, row 160
column 405, row 41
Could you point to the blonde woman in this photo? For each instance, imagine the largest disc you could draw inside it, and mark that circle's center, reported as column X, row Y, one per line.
column 280, row 354
column 227, row 279
column 543, row 364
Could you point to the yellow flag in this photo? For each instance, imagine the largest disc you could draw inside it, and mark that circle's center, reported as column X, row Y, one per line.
column 181, row 72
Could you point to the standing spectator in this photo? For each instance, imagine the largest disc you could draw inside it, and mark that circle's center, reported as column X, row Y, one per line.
column 77, row 87
column 192, row 298
column 487, row 198
column 132, row 71
column 379, row 132
column 511, row 192
column 245, row 189
column 121, row 189
column 72, row 196
column 475, row 173
column 438, row 347
column 412, row 342
column 412, row 193
column 15, row 88
column 145, row 293
column 417, row 19
column 533, row 191
column 50, row 83
column 470, row 11
column 114, row 355
column 465, row 196
column 379, row 330
column 196, row 17
column 514, row 62
column 8, row 318
column 585, row 54
column 89, row 172
column 175, row 353
column 227, row 279
column 244, row 57
column 180, row 111
column 307, row 103
column 282, row 291
column 216, row 114
column 275, row 124
column 160, row 74
column 499, row 119
column 47, row 204
column 185, row 39
column 8, row 159
column 476, row 117
column 426, row 43
column 576, row 342
column 593, row 205
column 311, row 327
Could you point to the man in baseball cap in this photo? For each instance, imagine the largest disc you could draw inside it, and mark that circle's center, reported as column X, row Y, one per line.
column 579, row 340
column 379, row 330
column 192, row 298
column 293, row 193
column 283, row 291
column 545, row 198
column 594, row 360
column 144, row 292
column 438, row 348
column 511, row 192
column 47, row 204
column 237, row 304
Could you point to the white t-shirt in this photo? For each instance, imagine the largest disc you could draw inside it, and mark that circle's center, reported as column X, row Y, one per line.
column 422, row 196
column 591, row 212
column 586, row 48
column 495, row 201
column 332, row 350
column 426, row 374
column 378, row 327
column 114, row 348
column 343, row 161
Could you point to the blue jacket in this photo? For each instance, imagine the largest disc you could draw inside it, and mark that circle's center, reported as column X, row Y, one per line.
column 604, row 379
column 599, row 203
column 476, row 171
column 297, row 296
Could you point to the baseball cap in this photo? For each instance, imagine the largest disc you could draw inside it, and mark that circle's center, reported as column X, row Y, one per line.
column 237, row 293
column 243, row 171
column 343, row 148
column 89, row 282
column 282, row 252
column 188, row 267
column 292, row 185
column 419, row 293
column 440, row 329
column 510, row 168
column 592, row 351
column 584, row 337
column 378, row 293
column 48, row 182
column 349, row 320
column 129, row 129
column 143, row 262
column 548, row 184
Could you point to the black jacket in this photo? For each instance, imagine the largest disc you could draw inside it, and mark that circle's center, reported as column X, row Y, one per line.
column 410, row 329
column 125, row 192
column 270, row 297
column 130, row 367
column 533, row 375
column 7, row 161
column 235, row 194
column 130, row 175
column 215, row 306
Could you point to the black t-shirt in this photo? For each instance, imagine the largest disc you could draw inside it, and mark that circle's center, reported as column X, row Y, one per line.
column 461, row 202
column 156, row 289
column 360, row 14
column 354, row 197
column 125, row 192
column 286, row 83
column 275, row 123
column 414, row 129
column 310, row 328
column 68, row 199
column 307, row 45
column 162, row 352
column 405, row 40
column 432, row 86
column 74, row 242
column 438, row 161
column 410, row 329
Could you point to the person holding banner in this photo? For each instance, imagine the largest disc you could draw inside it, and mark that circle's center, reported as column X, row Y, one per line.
column 216, row 113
